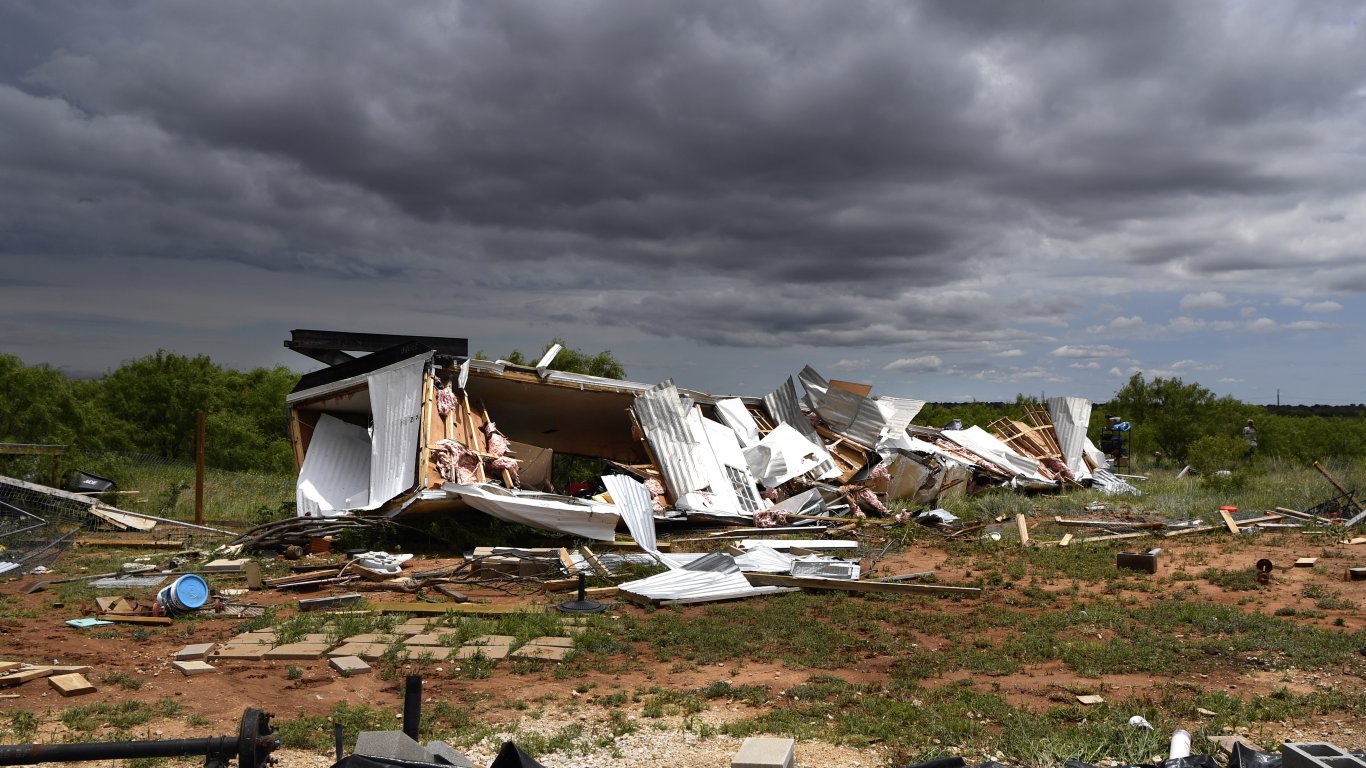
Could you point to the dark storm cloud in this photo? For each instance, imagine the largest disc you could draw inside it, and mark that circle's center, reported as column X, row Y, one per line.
column 735, row 173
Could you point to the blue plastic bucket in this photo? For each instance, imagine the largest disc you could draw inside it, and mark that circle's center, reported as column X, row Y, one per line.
column 187, row 593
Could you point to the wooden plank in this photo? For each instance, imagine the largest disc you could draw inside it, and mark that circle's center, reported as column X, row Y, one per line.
column 71, row 684
column 94, row 541
column 1302, row 515
column 124, row 618
column 1204, row 528
column 1065, row 540
column 1024, row 529
column 593, row 593
column 1229, row 521
column 568, row 562
column 1060, row 520
column 450, row 591
column 7, row 666
column 1114, row 537
column 471, row 609
column 849, row 585
column 1306, row 562
column 593, row 560
column 24, row 675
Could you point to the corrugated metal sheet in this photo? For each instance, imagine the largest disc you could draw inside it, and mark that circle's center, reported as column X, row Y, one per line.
column 857, row 418
column 396, row 410
column 335, row 475
column 636, row 507
column 1071, row 416
column 904, row 411
column 782, row 407
column 664, row 421
column 697, row 585
column 783, row 454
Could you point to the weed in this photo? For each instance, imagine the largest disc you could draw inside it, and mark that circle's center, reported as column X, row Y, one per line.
column 23, row 725
column 120, row 716
column 293, row 673
column 121, row 679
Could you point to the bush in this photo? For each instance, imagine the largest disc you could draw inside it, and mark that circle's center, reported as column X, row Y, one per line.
column 1212, row 453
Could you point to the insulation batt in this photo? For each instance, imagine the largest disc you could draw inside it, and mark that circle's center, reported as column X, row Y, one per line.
column 866, row 499
column 454, row 462
column 445, row 401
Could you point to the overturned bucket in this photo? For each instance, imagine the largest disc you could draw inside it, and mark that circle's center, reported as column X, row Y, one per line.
column 187, row 593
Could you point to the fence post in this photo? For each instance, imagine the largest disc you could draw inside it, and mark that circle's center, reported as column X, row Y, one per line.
column 199, row 468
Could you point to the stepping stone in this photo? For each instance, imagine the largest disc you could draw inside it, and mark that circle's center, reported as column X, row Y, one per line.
column 314, row 637
column 492, row 640
column 297, row 651
column 348, row 665
column 491, row 652
column 192, row 668
column 575, row 630
column 552, row 642
column 761, row 752
column 373, row 637
column 546, row 652
column 432, row 652
column 370, row 651
column 197, row 652
column 72, row 684
column 427, row 638
column 247, row 651
column 261, row 638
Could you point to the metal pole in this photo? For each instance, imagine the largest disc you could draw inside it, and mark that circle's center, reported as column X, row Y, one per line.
column 24, row 754
column 412, row 706
column 199, row 469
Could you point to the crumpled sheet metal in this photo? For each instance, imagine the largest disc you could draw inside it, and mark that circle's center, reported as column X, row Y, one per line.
column 693, row 582
column 636, row 507
column 664, row 419
column 783, row 408
column 1070, row 416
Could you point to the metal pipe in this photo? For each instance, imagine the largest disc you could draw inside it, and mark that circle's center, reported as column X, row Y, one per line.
column 412, row 706
column 26, row 754
column 338, row 732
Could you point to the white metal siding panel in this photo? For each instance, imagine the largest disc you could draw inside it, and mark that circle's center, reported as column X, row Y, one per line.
column 396, row 408
column 335, row 475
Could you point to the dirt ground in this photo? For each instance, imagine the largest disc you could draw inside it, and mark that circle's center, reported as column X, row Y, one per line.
column 219, row 698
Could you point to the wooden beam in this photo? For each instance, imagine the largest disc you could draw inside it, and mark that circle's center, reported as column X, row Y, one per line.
column 1229, row 521
column 1024, row 529
column 850, row 585
column 469, row 609
column 123, row 618
column 1065, row 540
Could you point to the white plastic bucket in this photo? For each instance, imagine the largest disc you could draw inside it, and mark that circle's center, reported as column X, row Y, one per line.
column 187, row 593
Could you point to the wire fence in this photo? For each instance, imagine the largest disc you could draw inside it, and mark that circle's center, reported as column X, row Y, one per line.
column 156, row 485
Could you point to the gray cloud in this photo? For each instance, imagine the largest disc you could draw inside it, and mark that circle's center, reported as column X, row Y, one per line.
column 942, row 178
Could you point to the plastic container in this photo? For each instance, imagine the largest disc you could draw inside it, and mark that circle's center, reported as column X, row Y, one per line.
column 187, row 593
column 1181, row 745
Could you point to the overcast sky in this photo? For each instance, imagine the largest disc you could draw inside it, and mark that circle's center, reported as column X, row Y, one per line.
column 950, row 200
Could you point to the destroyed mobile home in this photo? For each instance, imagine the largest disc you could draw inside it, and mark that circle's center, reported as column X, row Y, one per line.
column 408, row 431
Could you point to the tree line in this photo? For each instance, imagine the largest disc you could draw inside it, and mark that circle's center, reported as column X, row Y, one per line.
column 149, row 405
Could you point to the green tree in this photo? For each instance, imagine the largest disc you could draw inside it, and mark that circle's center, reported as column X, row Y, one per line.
column 37, row 405
column 158, row 396
column 603, row 364
column 1168, row 415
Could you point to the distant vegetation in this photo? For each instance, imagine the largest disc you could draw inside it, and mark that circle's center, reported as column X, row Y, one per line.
column 149, row 406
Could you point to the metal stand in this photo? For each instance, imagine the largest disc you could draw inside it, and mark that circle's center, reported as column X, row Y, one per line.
column 252, row 747
column 583, row 604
